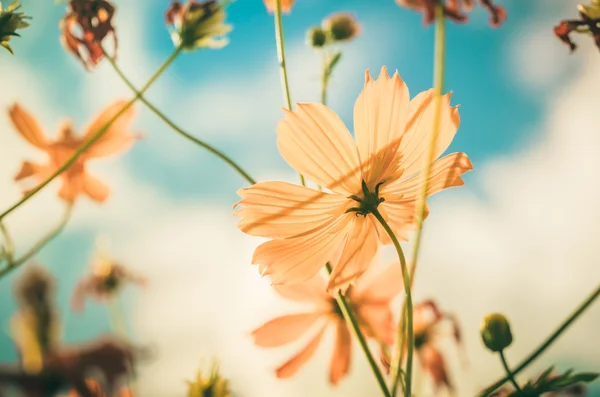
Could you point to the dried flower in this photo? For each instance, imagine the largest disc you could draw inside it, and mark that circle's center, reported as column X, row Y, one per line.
column 84, row 28
column 455, row 10
column 198, row 24
column 76, row 180
column 588, row 23
column 495, row 332
column 212, row 386
column 286, row 5
column 380, row 170
column 316, row 37
column 10, row 22
column 341, row 26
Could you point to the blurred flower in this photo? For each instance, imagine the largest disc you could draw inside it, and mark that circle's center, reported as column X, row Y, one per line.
column 495, row 332
column 370, row 300
column 380, row 171
column 84, row 28
column 341, row 26
column 286, row 5
column 76, row 180
column 588, row 23
column 10, row 22
column 455, row 10
column 97, row 391
column 198, row 24
column 212, row 386
column 316, row 37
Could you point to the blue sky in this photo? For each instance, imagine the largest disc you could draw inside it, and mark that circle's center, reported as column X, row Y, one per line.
column 506, row 81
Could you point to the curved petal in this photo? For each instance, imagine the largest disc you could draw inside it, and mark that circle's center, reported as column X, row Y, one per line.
column 282, row 210
column 284, row 329
column 27, row 126
column 73, row 186
column 433, row 362
column 38, row 171
column 95, row 189
column 415, row 144
column 117, row 137
column 311, row 290
column 358, row 253
column 400, row 215
column 340, row 361
column 379, row 287
column 292, row 366
column 316, row 143
column 296, row 259
column 378, row 320
column 380, row 115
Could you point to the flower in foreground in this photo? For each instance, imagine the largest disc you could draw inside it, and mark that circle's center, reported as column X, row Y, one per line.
column 455, row 10
column 286, row 5
column 213, row 385
column 370, row 300
column 10, row 22
column 75, row 180
column 379, row 172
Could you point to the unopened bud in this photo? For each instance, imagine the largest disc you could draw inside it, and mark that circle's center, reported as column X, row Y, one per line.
column 316, row 37
column 495, row 332
column 341, row 26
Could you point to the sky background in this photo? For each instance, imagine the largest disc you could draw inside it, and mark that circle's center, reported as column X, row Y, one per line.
column 521, row 237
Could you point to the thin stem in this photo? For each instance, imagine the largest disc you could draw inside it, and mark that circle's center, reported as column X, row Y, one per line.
column 101, row 131
column 351, row 319
column 509, row 374
column 175, row 127
column 537, row 352
column 9, row 246
column 280, row 42
column 324, row 80
column 409, row 304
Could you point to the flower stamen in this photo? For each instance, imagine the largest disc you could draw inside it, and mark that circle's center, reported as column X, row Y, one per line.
column 369, row 202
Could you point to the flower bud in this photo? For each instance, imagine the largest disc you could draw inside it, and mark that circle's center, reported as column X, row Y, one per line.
column 316, row 37
column 341, row 26
column 495, row 332
column 591, row 11
column 10, row 21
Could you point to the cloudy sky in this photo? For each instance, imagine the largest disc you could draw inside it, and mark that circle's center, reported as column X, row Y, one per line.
column 519, row 238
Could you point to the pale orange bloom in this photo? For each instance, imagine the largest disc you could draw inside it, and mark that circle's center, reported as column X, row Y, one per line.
column 380, row 169
column 370, row 300
column 75, row 180
column 286, row 5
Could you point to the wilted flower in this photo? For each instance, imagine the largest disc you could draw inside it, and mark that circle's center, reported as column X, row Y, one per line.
column 588, row 23
column 76, row 180
column 455, row 10
column 198, row 24
column 316, row 37
column 212, row 386
column 495, row 332
column 286, row 5
column 341, row 26
column 379, row 171
column 84, row 28
column 10, row 22
column 370, row 300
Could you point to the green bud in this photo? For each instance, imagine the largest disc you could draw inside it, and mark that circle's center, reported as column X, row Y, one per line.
column 495, row 332
column 341, row 26
column 316, row 37
column 10, row 21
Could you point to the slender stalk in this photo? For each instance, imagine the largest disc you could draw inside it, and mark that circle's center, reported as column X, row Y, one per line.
column 351, row 319
column 324, row 80
column 280, row 42
column 101, row 131
column 409, row 306
column 537, row 352
column 175, row 127
column 9, row 246
column 509, row 374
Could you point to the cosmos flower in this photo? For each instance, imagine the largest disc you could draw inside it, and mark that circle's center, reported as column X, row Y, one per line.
column 588, row 24
column 370, row 300
column 378, row 171
column 286, row 5
column 455, row 10
column 75, row 180
column 97, row 391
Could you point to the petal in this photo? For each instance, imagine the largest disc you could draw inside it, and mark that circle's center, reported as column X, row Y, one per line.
column 357, row 254
column 340, row 361
column 117, row 137
column 286, row 5
column 95, row 189
column 415, row 144
column 284, row 329
column 311, row 290
column 293, row 365
column 400, row 215
column 379, row 321
column 281, row 210
column 296, row 259
column 433, row 362
column 380, row 115
column 29, row 169
column 316, row 143
column 72, row 186
column 379, row 287
column 27, row 126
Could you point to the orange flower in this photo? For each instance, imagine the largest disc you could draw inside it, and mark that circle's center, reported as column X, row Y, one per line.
column 381, row 171
column 286, row 5
column 76, row 180
column 455, row 10
column 370, row 300
column 96, row 390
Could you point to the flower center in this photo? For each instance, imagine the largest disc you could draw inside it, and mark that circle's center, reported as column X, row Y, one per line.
column 369, row 202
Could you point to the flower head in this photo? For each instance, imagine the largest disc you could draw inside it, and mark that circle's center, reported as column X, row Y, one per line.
column 85, row 26
column 286, row 5
column 316, row 37
column 380, row 170
column 341, row 26
column 588, row 23
column 10, row 22
column 455, row 10
column 76, row 180
column 198, row 24
column 212, row 385
column 370, row 300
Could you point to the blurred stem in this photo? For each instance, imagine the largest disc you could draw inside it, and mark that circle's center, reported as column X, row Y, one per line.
column 280, row 42
column 118, row 326
column 175, row 127
column 537, row 352
column 509, row 374
column 9, row 246
column 409, row 313
column 324, row 79
column 101, row 131
column 351, row 319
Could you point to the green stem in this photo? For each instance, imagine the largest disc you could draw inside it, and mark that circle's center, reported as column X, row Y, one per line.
column 537, row 352
column 280, row 42
column 509, row 374
column 175, row 127
column 9, row 246
column 324, row 80
column 101, row 131
column 351, row 319
column 409, row 304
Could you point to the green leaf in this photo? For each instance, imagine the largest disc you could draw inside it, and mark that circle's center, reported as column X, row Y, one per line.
column 7, row 46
